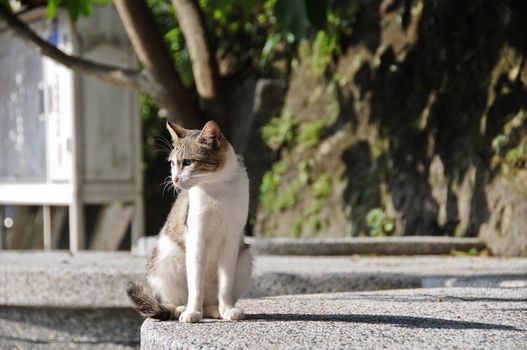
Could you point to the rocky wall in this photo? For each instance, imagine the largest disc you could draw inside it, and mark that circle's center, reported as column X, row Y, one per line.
column 418, row 127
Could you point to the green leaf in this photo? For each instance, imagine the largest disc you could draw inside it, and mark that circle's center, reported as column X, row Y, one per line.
column 388, row 226
column 309, row 134
column 86, row 7
column 76, row 8
column 52, row 8
column 73, row 7
column 323, row 186
column 279, row 131
column 317, row 13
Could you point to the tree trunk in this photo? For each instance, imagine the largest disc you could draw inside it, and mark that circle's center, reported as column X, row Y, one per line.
column 204, row 64
column 151, row 49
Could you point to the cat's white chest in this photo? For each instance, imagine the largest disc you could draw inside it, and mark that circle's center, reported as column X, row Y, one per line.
column 221, row 210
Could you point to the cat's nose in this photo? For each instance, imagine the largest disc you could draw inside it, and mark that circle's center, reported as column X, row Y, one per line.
column 176, row 179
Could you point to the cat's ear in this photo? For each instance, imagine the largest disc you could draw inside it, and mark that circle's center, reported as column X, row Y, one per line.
column 176, row 131
column 210, row 134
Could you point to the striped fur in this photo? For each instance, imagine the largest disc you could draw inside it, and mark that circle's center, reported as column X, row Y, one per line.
column 147, row 304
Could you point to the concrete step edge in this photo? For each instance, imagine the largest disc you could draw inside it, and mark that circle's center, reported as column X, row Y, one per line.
column 409, row 245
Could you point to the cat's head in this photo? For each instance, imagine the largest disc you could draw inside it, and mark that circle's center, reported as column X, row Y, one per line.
column 197, row 154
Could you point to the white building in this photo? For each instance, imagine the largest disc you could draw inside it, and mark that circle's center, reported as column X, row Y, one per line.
column 65, row 139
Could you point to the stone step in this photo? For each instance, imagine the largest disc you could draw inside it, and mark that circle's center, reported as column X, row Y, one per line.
column 45, row 296
column 279, row 275
column 451, row 318
column 58, row 279
column 55, row 300
column 69, row 328
column 407, row 245
column 96, row 279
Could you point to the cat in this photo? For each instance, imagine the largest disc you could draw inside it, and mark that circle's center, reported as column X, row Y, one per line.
column 200, row 265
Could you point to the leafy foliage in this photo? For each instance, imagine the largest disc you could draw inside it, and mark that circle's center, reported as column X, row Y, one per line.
column 507, row 147
column 309, row 133
column 257, row 35
column 287, row 197
column 75, row 8
column 517, row 157
column 324, row 46
column 270, row 183
column 323, row 186
column 279, row 131
column 379, row 223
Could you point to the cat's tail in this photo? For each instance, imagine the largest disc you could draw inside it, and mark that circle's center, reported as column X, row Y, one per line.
column 149, row 305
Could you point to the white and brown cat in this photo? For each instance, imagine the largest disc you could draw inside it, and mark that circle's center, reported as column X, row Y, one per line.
column 200, row 265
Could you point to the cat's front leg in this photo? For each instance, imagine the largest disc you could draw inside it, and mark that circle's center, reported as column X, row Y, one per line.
column 226, row 276
column 195, row 265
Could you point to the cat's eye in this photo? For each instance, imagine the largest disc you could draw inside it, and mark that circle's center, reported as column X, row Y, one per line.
column 187, row 162
column 171, row 163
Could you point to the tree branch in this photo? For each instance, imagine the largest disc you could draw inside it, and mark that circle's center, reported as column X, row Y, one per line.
column 204, row 65
column 127, row 78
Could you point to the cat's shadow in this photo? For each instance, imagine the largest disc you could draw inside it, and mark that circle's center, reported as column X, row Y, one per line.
column 399, row 321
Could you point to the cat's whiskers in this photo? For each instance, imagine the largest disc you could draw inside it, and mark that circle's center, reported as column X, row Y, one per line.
column 164, row 142
column 162, row 145
column 166, row 179
column 162, row 150
column 166, row 183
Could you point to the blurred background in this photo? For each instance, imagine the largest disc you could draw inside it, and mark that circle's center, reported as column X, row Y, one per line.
column 355, row 118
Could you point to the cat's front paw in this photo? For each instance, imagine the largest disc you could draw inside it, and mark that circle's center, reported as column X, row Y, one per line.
column 190, row 316
column 232, row 314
